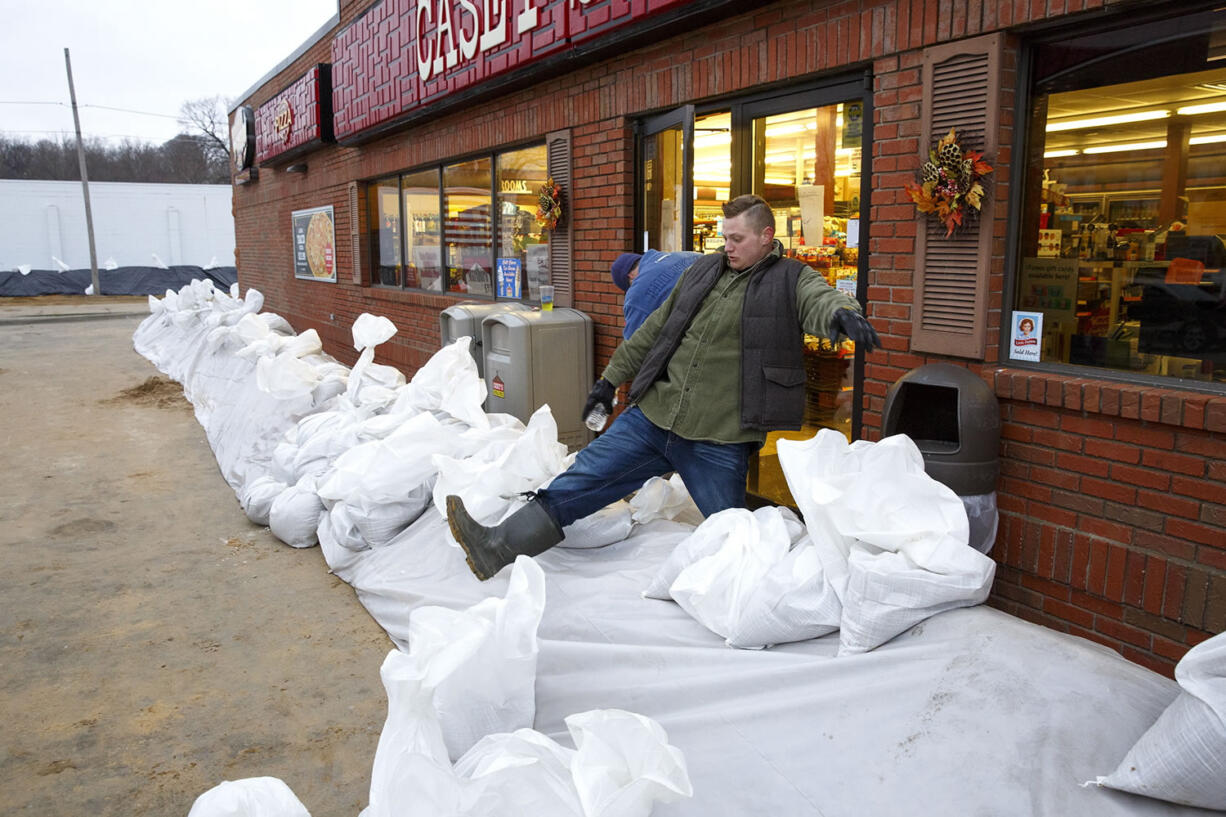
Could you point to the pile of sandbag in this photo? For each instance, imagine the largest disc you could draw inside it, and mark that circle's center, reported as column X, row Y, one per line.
column 458, row 740
column 883, row 546
column 319, row 452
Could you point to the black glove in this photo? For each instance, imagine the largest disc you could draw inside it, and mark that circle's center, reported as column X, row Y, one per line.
column 856, row 327
column 602, row 393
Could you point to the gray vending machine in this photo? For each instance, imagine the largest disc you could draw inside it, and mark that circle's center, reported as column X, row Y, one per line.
column 465, row 320
column 538, row 357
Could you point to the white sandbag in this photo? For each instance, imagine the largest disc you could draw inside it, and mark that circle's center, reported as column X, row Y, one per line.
column 386, row 484
column 751, row 589
column 411, row 774
column 480, row 663
column 492, row 490
column 892, row 541
column 257, row 497
column 610, row 524
column 791, row 602
column 295, row 514
column 447, row 382
column 343, row 528
column 911, row 559
column 1182, row 757
column 661, row 498
column 285, row 377
column 734, row 524
column 624, row 764
column 887, row 594
column 521, row 773
column 250, row 797
column 371, row 330
column 322, row 437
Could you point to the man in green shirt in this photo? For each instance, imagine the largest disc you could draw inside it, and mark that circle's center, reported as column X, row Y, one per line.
column 714, row 368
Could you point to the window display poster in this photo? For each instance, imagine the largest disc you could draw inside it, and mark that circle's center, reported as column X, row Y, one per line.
column 1025, row 335
column 1049, row 285
column 314, row 244
column 509, row 278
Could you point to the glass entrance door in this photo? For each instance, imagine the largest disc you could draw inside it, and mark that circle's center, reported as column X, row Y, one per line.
column 807, row 165
column 802, row 152
column 666, row 167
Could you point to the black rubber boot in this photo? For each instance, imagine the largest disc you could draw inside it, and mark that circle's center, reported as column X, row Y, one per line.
column 529, row 531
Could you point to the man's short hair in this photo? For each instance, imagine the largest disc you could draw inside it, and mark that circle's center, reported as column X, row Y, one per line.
column 757, row 212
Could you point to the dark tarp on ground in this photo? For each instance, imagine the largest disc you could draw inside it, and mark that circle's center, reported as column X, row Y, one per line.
column 120, row 281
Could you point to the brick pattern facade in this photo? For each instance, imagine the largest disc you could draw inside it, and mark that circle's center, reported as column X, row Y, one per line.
column 302, row 100
column 1113, row 498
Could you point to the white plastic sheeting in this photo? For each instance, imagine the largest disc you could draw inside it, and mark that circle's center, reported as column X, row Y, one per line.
column 967, row 712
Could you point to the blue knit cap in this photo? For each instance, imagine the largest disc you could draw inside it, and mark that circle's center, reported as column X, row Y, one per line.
column 621, row 269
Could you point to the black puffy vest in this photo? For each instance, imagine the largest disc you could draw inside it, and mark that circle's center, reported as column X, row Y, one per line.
column 772, row 342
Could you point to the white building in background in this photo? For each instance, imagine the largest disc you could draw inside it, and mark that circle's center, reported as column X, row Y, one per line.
column 42, row 221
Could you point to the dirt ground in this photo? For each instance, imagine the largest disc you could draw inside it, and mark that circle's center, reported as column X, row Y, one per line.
column 153, row 641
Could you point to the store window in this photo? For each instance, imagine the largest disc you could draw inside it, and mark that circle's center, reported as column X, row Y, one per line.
column 523, row 245
column 802, row 152
column 1122, row 246
column 385, row 208
column 467, row 227
column 423, row 230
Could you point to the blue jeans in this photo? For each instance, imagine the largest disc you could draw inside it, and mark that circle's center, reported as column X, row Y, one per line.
column 633, row 450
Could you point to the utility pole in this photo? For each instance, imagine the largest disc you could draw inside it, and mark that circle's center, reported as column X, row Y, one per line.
column 89, row 215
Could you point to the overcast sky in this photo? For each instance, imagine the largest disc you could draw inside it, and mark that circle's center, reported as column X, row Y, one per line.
column 143, row 55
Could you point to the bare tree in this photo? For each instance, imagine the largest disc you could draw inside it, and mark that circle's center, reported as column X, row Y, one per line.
column 208, row 121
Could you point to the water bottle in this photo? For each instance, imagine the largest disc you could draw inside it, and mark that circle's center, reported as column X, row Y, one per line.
column 597, row 417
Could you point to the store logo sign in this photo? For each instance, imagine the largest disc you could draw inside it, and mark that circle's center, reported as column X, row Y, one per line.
column 283, row 123
column 478, row 26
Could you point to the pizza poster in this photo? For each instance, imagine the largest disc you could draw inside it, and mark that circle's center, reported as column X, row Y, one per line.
column 1024, row 339
column 314, row 244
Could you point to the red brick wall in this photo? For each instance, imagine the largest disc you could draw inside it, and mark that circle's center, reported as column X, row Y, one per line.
column 1106, row 531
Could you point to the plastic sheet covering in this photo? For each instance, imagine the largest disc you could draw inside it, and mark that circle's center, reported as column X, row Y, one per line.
column 118, row 281
column 1182, row 758
column 971, row 712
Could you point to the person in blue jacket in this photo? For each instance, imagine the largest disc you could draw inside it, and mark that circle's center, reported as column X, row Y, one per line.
column 647, row 280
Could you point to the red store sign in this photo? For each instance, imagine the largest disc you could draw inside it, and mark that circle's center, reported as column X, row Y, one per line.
column 403, row 56
column 297, row 119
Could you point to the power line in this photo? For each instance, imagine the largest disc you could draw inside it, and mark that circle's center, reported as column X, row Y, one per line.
column 64, row 132
column 99, row 107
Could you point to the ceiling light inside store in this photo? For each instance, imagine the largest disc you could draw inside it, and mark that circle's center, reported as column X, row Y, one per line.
column 779, row 180
column 1057, row 154
column 785, row 130
column 1100, row 121
column 1121, row 148
column 1210, row 107
column 1208, row 140
column 710, row 140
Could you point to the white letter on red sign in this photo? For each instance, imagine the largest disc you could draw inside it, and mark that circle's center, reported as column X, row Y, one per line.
column 494, row 35
column 444, row 29
column 526, row 21
column 468, row 44
column 423, row 63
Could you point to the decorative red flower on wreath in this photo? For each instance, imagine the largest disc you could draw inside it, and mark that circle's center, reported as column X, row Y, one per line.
column 949, row 182
column 549, row 205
